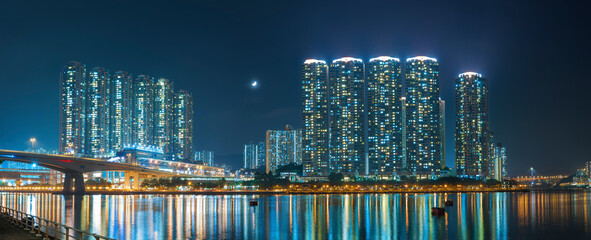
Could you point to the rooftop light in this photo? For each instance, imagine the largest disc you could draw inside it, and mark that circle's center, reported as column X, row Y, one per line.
column 470, row 74
column 421, row 58
column 347, row 59
column 312, row 61
column 384, row 58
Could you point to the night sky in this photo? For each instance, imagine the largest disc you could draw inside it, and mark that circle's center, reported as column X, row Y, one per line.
column 535, row 56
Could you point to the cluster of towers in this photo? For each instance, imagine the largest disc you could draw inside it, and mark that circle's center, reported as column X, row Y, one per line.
column 103, row 112
column 254, row 155
column 280, row 148
column 385, row 118
column 283, row 147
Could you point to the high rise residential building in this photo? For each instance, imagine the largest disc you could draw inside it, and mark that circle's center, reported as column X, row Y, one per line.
column 404, row 166
column 503, row 155
column 102, row 113
column 72, row 108
column 250, row 156
column 498, row 161
column 472, row 134
column 315, row 117
column 442, row 132
column 183, row 125
column 422, row 117
column 384, row 116
column 163, row 116
column 205, row 157
column 143, row 111
column 254, row 155
column 492, row 155
column 261, row 154
column 283, row 147
column 97, row 112
column 347, row 117
column 120, row 110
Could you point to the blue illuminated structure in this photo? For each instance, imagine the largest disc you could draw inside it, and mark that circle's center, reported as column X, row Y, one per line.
column 472, row 132
column 423, row 143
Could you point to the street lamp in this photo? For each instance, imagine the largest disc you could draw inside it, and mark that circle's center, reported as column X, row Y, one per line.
column 33, row 140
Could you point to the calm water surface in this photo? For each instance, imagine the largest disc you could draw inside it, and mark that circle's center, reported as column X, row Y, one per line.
column 539, row 215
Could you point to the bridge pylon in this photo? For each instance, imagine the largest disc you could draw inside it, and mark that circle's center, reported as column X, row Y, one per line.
column 132, row 180
column 78, row 179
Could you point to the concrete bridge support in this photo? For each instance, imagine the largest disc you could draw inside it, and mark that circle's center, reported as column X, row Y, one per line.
column 78, row 179
column 132, row 180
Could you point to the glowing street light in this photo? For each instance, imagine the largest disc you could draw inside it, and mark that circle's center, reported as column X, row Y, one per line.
column 33, row 140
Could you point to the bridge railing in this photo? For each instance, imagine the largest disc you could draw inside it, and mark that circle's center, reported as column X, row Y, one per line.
column 46, row 228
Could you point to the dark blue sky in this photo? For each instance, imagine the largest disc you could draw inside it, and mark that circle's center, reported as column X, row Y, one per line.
column 535, row 55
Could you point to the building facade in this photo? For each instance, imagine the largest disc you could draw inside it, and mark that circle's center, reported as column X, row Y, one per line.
column 121, row 110
column 502, row 152
column 261, row 154
column 384, row 116
column 442, row 132
column 404, row 168
column 205, row 157
column 315, row 117
column 183, row 126
column 143, row 111
column 347, row 153
column 472, row 133
column 498, row 162
column 97, row 113
column 283, row 147
column 423, row 141
column 72, row 108
column 102, row 113
column 250, row 156
column 163, row 116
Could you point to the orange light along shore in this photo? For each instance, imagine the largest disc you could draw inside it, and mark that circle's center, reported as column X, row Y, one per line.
column 270, row 192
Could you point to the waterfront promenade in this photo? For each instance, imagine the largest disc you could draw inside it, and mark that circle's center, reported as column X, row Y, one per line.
column 10, row 231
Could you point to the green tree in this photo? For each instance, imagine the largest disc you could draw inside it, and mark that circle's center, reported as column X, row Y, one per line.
column 222, row 182
column 177, row 182
column 98, row 182
column 268, row 180
column 492, row 182
column 149, row 183
column 335, row 178
column 292, row 167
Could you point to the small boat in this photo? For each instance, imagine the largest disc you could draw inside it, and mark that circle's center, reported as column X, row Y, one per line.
column 437, row 211
column 449, row 203
column 253, row 203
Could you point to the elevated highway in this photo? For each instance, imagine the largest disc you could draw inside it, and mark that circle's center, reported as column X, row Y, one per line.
column 74, row 167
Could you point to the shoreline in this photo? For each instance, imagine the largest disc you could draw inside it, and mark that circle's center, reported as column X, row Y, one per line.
column 267, row 192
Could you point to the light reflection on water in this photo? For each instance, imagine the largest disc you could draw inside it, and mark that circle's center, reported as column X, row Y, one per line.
column 352, row 216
